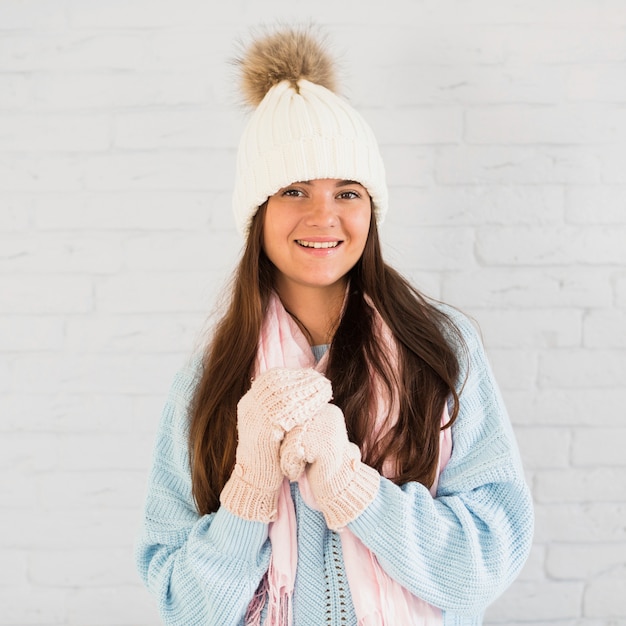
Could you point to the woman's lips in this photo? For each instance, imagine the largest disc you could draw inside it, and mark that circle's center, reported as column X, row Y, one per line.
column 304, row 243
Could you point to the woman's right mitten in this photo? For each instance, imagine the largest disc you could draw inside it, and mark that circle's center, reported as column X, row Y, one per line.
column 277, row 400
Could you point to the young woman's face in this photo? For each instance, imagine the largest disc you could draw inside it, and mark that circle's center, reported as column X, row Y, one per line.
column 315, row 232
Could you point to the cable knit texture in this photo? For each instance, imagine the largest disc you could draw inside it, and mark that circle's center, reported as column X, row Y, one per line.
column 278, row 400
column 458, row 551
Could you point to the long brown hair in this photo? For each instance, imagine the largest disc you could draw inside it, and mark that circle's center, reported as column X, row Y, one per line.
column 423, row 379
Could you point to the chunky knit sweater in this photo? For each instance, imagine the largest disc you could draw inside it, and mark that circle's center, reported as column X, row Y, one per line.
column 458, row 551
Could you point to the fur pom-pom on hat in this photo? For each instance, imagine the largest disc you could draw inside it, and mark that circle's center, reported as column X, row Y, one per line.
column 289, row 55
column 300, row 129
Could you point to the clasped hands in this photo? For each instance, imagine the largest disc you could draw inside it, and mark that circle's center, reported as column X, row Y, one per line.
column 286, row 425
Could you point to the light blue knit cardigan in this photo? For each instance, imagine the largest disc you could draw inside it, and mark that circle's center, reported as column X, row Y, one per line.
column 458, row 551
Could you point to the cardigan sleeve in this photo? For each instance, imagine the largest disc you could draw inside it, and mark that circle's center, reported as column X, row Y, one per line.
column 462, row 549
column 202, row 569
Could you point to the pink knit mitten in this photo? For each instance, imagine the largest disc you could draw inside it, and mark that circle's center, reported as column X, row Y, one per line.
column 278, row 400
column 342, row 485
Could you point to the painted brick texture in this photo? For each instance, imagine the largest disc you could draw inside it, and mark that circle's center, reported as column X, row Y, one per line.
column 503, row 127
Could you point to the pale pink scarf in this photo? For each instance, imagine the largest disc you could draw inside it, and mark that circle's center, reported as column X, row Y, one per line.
column 378, row 599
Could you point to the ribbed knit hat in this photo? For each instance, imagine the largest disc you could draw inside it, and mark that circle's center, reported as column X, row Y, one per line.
column 300, row 129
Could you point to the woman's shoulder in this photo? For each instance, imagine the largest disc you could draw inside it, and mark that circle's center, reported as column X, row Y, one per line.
column 186, row 380
column 174, row 424
column 459, row 328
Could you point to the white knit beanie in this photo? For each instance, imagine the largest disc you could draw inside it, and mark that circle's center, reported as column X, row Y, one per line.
column 300, row 130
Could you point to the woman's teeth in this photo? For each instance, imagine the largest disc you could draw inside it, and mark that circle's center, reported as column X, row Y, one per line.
column 317, row 244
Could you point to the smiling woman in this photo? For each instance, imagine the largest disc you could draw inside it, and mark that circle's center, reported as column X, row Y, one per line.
column 340, row 452
column 314, row 233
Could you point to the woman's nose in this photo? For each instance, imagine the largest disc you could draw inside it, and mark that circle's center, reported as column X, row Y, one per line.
column 322, row 211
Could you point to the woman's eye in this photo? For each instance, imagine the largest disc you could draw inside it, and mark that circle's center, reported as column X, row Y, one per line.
column 293, row 193
column 348, row 195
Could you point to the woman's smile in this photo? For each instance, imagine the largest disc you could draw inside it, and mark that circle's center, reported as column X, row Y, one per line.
column 317, row 244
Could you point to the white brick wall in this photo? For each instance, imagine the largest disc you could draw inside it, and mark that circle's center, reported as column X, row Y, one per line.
column 503, row 125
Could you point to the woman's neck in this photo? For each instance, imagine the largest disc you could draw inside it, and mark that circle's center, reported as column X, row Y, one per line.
column 317, row 311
